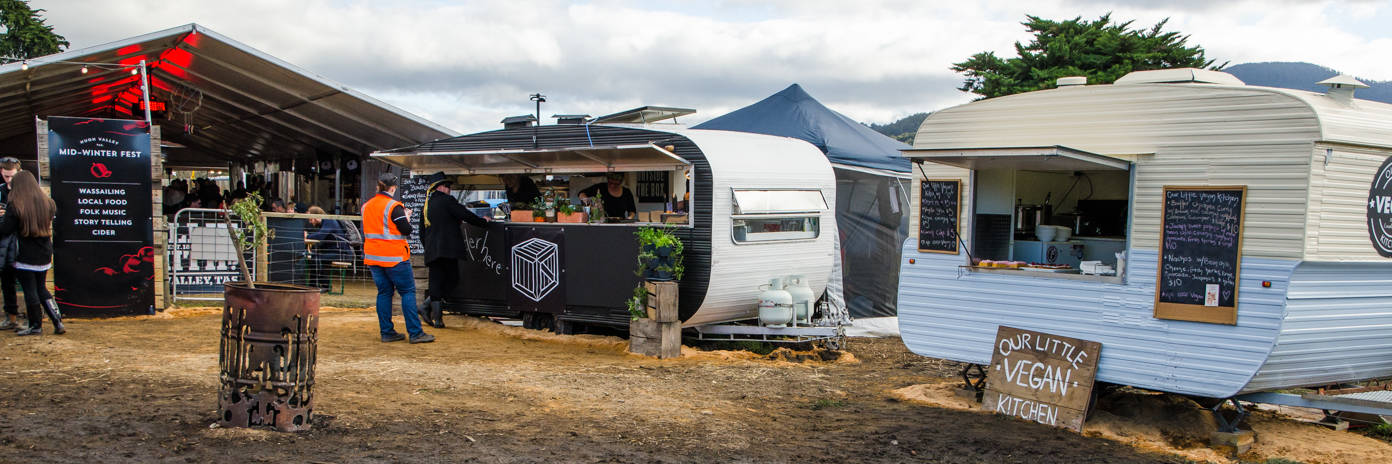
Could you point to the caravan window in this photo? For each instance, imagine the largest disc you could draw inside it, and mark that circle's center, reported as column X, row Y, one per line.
column 776, row 215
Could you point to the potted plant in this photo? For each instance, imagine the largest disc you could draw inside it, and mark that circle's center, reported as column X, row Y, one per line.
column 538, row 207
column 566, row 212
column 659, row 254
column 269, row 332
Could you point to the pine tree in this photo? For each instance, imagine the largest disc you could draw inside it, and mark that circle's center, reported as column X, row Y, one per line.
column 1101, row 50
column 24, row 33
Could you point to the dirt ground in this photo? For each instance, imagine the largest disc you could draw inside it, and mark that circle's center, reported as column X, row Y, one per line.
column 143, row 389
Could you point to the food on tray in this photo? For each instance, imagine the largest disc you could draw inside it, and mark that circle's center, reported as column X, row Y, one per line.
column 1049, row 266
column 1001, row 264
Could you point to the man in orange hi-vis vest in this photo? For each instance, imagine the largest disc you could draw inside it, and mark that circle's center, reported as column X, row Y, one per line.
column 386, row 224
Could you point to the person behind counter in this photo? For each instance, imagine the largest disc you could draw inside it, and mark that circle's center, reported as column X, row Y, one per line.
column 618, row 200
column 521, row 191
column 444, row 246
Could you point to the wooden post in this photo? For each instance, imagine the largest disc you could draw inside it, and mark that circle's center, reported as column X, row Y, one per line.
column 659, row 334
column 160, row 230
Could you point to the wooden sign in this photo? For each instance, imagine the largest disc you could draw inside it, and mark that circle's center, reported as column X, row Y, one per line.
column 1041, row 377
column 939, row 206
column 1200, row 254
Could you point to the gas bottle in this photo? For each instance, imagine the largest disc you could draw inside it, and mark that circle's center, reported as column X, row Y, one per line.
column 775, row 304
column 802, row 299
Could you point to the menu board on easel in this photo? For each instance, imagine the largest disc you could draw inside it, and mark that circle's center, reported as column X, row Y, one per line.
column 939, row 206
column 1200, row 253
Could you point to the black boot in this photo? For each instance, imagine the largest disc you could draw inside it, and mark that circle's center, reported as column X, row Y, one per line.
column 51, row 307
column 424, row 312
column 437, row 314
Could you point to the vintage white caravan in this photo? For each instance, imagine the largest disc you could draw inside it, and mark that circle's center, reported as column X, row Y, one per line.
column 1237, row 238
column 760, row 207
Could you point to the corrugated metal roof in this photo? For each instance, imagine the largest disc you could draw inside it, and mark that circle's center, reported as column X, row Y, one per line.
column 226, row 99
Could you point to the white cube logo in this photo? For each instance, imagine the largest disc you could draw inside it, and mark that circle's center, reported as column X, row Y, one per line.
column 535, row 268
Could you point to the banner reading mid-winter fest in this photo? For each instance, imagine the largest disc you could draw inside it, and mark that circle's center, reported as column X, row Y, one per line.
column 103, row 243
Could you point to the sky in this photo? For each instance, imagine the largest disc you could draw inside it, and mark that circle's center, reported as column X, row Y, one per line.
column 467, row 64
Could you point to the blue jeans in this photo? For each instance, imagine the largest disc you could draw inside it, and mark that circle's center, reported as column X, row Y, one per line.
column 397, row 279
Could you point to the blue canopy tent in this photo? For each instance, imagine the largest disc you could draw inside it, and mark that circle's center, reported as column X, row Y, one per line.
column 871, row 190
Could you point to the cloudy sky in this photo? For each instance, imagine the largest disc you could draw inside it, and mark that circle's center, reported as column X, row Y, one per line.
column 467, row 64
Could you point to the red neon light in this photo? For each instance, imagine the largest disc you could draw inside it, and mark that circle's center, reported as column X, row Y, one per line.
column 129, row 49
column 154, row 105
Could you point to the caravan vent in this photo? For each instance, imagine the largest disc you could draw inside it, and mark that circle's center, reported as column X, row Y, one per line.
column 1179, row 76
column 1341, row 87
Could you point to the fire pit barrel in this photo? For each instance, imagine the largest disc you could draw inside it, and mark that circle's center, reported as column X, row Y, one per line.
column 267, row 353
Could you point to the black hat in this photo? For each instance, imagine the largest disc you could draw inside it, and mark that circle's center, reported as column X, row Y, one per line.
column 446, row 181
column 387, row 179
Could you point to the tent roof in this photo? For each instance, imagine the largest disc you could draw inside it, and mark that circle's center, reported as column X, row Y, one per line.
column 225, row 100
column 794, row 113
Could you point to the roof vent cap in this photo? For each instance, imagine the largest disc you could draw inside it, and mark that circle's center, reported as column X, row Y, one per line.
column 1070, row 81
column 571, row 118
column 515, row 122
column 1341, row 87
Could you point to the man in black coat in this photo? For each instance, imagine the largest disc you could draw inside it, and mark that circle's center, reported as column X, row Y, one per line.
column 444, row 245
column 8, row 167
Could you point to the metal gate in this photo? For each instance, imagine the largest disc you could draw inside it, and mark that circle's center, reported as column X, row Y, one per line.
column 202, row 255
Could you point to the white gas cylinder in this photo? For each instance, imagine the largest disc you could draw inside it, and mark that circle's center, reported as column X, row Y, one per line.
column 775, row 304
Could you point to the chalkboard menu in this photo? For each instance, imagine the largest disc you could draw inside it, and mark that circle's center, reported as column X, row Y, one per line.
column 1200, row 254
column 939, row 205
column 411, row 193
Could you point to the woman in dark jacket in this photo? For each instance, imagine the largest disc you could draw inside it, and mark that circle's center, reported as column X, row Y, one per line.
column 30, row 216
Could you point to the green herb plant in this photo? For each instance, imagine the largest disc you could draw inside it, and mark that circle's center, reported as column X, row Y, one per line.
column 638, row 304
column 651, row 238
column 251, row 235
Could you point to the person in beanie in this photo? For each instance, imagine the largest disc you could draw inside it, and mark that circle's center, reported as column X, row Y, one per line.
column 29, row 214
column 386, row 224
column 444, row 245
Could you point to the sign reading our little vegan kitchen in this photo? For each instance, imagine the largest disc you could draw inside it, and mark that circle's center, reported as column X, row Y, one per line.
column 1380, row 210
column 103, row 243
column 1041, row 377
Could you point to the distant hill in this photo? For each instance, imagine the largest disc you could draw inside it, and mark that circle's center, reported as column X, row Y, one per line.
column 902, row 130
column 1303, row 76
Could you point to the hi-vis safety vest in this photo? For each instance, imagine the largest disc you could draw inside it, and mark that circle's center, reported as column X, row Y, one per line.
column 383, row 243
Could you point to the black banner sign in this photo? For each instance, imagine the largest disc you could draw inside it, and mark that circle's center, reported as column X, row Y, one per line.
column 939, row 207
column 1380, row 210
column 536, row 261
column 102, row 237
column 1200, row 254
column 411, row 193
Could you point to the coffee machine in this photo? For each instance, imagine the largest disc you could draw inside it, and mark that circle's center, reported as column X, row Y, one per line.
column 1028, row 217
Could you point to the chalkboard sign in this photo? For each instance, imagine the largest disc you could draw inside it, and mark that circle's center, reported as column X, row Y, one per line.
column 939, row 205
column 1200, row 254
column 412, row 194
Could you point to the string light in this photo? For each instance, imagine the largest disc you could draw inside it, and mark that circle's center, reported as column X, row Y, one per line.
column 135, row 71
column 24, row 66
column 84, row 70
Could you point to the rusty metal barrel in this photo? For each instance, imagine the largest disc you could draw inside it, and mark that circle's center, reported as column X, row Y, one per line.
column 266, row 359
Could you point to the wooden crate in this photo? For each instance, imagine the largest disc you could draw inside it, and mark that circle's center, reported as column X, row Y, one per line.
column 662, row 301
column 651, row 338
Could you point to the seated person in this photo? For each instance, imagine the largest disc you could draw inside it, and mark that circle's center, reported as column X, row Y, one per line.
column 618, row 200
column 521, row 191
column 333, row 246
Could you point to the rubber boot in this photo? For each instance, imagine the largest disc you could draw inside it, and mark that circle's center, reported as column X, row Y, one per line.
column 51, row 307
column 424, row 311
column 437, row 315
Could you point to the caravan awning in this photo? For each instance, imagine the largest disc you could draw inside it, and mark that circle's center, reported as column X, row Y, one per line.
column 644, row 157
column 1055, row 158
